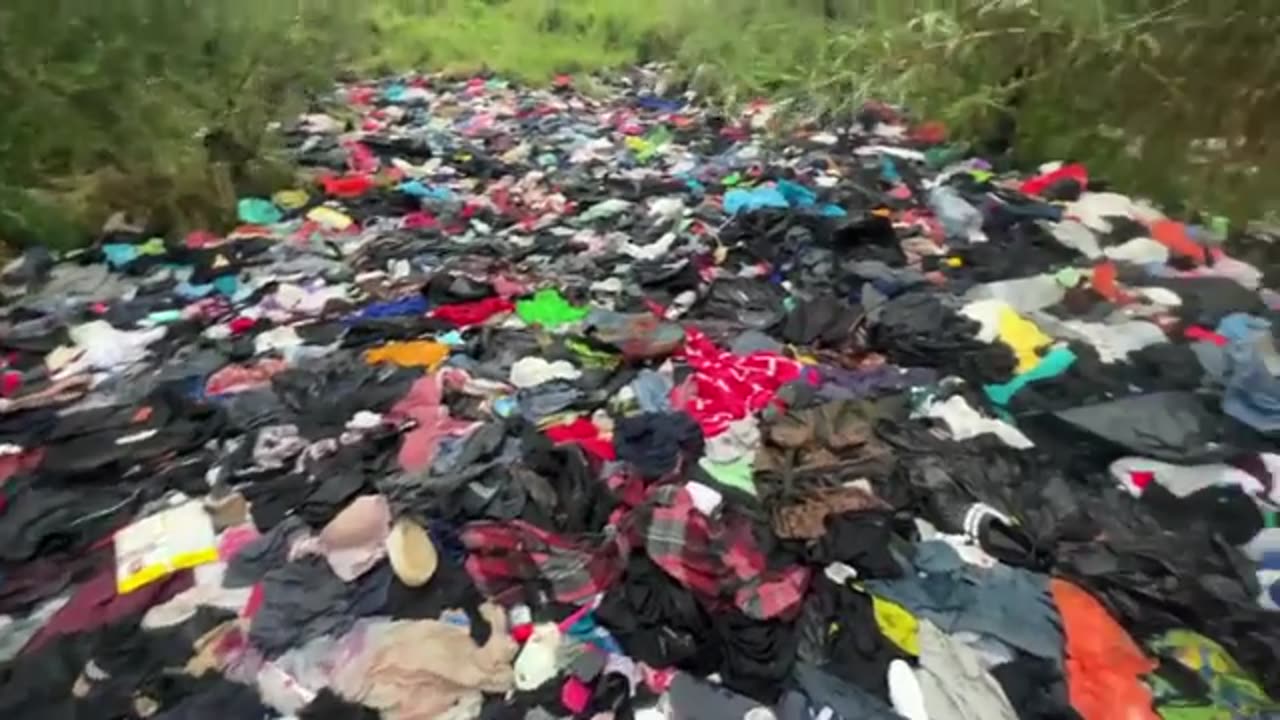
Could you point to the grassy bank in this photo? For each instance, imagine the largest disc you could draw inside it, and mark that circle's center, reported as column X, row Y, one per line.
column 160, row 106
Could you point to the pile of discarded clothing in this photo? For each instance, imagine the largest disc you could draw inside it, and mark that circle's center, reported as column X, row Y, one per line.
column 527, row 403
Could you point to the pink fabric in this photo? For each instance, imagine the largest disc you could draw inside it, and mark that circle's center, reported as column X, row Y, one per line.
column 575, row 695
column 1195, row 332
column 422, row 404
column 240, row 378
column 726, row 387
column 233, row 539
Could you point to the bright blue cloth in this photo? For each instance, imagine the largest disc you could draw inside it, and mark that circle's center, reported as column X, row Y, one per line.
column 415, row 305
column 416, row 189
column 1252, row 393
column 119, row 254
column 1241, row 326
column 782, row 194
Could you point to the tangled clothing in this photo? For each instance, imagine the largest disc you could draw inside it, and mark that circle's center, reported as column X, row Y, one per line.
column 830, row 444
column 840, row 632
column 208, row 591
column 354, row 541
column 427, row 669
column 654, row 444
column 1104, row 666
column 96, row 603
column 1136, row 474
column 963, row 422
column 846, row 700
column 267, row 552
column 658, row 621
column 806, row 518
column 1115, row 342
column 924, row 329
column 1008, row 603
column 1252, row 393
column 424, row 406
column 585, row 434
column 472, row 313
column 502, row 557
column 860, row 540
column 1054, row 363
column 59, row 392
column 824, row 319
column 1170, row 426
column 1225, row 688
column 106, row 347
column 637, row 336
column 40, row 519
column 695, row 699
column 530, row 372
column 416, row 353
column 328, row 706
column 1207, row 300
column 725, row 387
column 719, row 559
column 305, row 600
column 1173, row 235
column 1024, row 295
column 242, row 378
column 954, row 683
column 210, row 696
column 1037, row 688
column 549, row 309
column 1000, row 321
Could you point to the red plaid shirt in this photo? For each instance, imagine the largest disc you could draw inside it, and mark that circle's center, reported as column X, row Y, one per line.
column 503, row 556
column 718, row 559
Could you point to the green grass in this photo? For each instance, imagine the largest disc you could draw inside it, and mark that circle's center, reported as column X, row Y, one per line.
column 105, row 102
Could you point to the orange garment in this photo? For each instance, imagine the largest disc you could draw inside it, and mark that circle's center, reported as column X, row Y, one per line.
column 1104, row 283
column 1103, row 664
column 415, row 353
column 1173, row 235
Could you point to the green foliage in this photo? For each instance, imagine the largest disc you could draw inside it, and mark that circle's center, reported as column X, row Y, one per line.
column 105, row 102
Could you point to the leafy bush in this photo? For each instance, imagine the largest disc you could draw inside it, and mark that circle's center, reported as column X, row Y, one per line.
column 153, row 106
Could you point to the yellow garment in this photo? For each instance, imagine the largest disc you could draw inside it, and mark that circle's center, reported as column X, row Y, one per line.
column 1023, row 336
column 291, row 199
column 417, row 353
column 901, row 627
column 330, row 218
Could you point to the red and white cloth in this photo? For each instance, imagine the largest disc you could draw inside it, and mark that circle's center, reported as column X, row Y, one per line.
column 726, row 387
